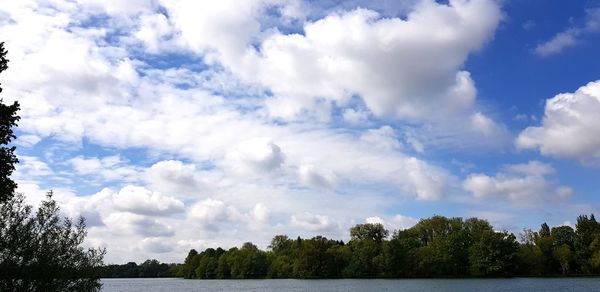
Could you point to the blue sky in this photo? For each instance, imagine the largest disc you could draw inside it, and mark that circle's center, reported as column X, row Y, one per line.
column 173, row 125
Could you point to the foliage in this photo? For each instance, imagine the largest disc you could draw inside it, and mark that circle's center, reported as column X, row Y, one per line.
column 434, row 247
column 147, row 269
column 42, row 251
column 374, row 232
column 8, row 120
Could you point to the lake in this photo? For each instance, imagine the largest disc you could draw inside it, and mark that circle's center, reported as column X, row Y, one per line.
column 511, row 284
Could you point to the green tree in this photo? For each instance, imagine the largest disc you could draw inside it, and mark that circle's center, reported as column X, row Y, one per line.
column 281, row 244
column 223, row 266
column 208, row 263
column 42, row 251
column 545, row 242
column 476, row 228
column 564, row 256
column 248, row 262
column 494, row 254
column 8, row 120
column 563, row 235
column 544, row 230
column 444, row 246
column 529, row 260
column 375, row 232
column 189, row 265
column 281, row 258
column 587, row 230
column 398, row 254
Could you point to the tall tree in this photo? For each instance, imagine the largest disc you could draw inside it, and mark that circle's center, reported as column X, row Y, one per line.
column 587, row 235
column 375, row 232
column 8, row 120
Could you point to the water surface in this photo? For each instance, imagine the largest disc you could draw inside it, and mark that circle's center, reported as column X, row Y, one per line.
column 347, row 285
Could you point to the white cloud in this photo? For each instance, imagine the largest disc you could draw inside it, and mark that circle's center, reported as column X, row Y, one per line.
column 569, row 127
column 155, row 245
column 535, row 168
column 374, row 220
column 91, row 86
column 173, row 177
column 395, row 222
column 138, row 111
column 117, row 7
column 28, row 140
column 486, row 126
column 410, row 69
column 383, row 138
column 108, row 168
column 571, row 36
column 30, row 167
column 259, row 216
column 415, row 143
column 140, row 200
column 211, row 213
column 401, row 222
column 260, row 213
column 255, row 156
column 519, row 183
column 558, row 43
column 353, row 116
column 86, row 166
column 312, row 222
column 309, row 175
column 152, row 29
column 133, row 224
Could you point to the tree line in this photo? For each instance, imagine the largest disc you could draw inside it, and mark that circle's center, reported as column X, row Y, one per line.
column 147, row 269
column 434, row 247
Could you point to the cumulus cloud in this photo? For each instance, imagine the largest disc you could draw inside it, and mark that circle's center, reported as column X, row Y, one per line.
column 259, row 155
column 205, row 126
column 30, row 167
column 486, row 126
column 152, row 30
column 353, row 116
column 569, row 127
column 571, row 36
column 28, row 140
column 383, row 138
column 260, row 213
column 312, row 222
column 519, row 183
column 209, row 210
column 211, row 213
column 140, row 200
column 109, row 168
column 91, row 86
column 309, row 175
column 155, row 245
column 173, row 177
column 133, row 224
column 410, row 69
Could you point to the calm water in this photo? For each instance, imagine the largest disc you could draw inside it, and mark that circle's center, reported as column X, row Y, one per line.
column 514, row 284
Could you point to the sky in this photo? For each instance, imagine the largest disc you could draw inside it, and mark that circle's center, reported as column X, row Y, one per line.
column 172, row 125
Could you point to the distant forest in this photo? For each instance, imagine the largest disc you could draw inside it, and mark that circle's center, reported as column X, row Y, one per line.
column 434, row 247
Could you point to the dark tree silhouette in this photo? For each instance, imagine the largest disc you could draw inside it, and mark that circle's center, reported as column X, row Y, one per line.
column 42, row 251
column 8, row 120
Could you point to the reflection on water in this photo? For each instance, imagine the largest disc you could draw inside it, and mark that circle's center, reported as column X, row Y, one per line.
column 510, row 284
